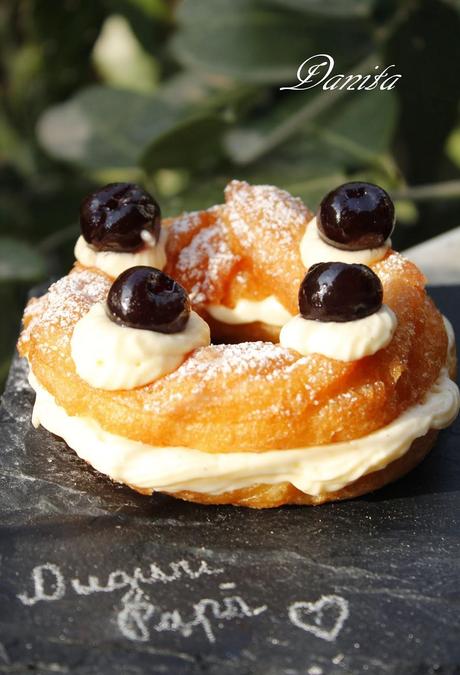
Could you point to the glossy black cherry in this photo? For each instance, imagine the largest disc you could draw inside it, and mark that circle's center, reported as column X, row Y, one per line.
column 144, row 297
column 336, row 291
column 356, row 216
column 113, row 218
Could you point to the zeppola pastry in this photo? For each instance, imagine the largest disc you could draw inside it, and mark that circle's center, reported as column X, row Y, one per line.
column 250, row 354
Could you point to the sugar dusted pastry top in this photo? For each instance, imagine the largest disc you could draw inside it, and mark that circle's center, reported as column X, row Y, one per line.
column 199, row 255
column 246, row 392
column 248, row 247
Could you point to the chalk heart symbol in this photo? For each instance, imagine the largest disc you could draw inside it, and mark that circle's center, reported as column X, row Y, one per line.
column 323, row 618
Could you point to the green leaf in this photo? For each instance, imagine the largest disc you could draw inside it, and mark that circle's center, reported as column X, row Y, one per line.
column 286, row 120
column 19, row 261
column 14, row 148
column 356, row 128
column 355, row 135
column 151, row 20
column 330, row 8
column 429, row 92
column 361, row 127
column 120, row 59
column 248, row 141
column 453, row 146
column 194, row 144
column 102, row 127
column 239, row 40
column 192, row 90
column 249, row 41
column 200, row 194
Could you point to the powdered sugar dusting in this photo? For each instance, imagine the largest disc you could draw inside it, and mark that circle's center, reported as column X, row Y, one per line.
column 214, row 365
column 206, row 262
column 186, row 222
column 66, row 302
column 219, row 367
column 258, row 359
column 392, row 267
column 278, row 213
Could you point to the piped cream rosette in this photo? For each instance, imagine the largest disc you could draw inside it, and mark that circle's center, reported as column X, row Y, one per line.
column 110, row 356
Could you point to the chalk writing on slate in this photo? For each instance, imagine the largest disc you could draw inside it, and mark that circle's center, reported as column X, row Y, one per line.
column 138, row 615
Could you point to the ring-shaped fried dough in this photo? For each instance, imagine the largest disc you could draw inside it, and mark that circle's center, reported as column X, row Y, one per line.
column 247, row 396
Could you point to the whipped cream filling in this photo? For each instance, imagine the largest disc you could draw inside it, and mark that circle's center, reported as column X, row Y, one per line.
column 313, row 470
column 110, row 356
column 343, row 341
column 114, row 263
column 314, row 250
column 269, row 311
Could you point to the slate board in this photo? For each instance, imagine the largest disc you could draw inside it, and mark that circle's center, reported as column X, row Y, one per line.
column 370, row 585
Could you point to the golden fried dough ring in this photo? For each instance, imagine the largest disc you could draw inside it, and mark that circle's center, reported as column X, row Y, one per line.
column 254, row 395
column 248, row 396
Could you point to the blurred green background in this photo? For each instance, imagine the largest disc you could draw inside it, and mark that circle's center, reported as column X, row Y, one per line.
column 183, row 96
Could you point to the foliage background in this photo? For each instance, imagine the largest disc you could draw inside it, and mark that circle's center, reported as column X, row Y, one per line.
column 182, row 96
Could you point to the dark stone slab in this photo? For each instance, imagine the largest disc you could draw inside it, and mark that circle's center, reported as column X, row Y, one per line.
column 370, row 585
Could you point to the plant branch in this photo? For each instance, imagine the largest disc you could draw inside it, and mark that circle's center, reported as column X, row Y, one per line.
column 447, row 190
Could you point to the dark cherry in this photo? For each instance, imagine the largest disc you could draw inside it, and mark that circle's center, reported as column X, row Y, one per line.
column 356, row 216
column 337, row 291
column 113, row 217
column 144, row 297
